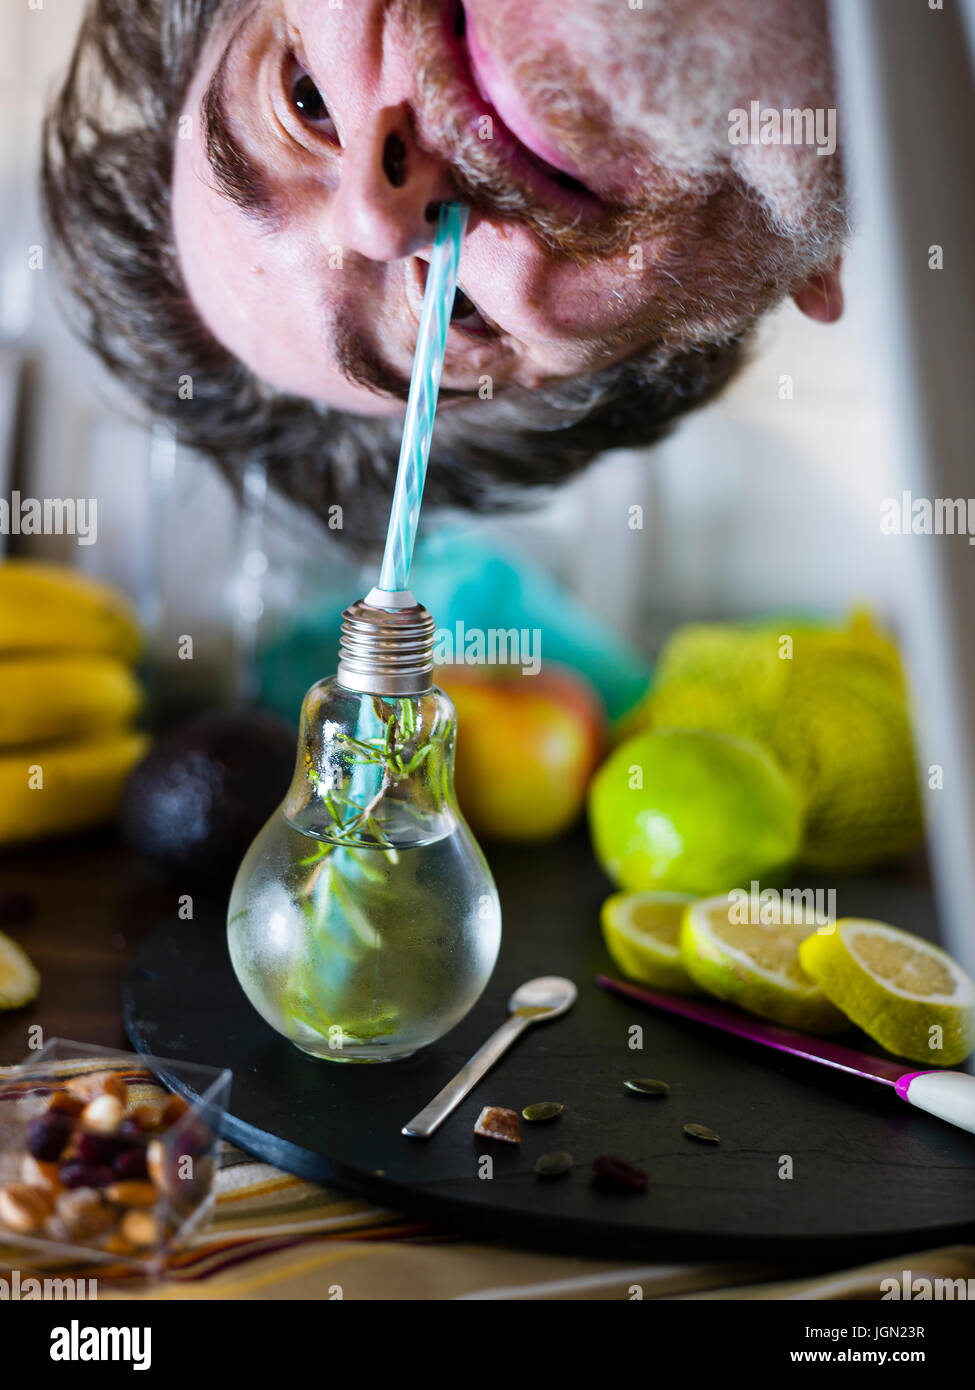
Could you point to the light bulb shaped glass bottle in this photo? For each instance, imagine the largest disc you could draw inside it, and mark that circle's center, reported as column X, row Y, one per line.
column 364, row 921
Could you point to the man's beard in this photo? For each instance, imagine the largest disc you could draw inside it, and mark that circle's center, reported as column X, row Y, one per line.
column 724, row 232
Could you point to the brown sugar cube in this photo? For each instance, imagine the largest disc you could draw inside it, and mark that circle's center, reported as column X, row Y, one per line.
column 494, row 1122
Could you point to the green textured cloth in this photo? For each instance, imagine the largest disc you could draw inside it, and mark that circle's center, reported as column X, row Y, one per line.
column 461, row 579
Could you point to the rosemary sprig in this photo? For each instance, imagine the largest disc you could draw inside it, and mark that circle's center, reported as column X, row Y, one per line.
column 352, row 822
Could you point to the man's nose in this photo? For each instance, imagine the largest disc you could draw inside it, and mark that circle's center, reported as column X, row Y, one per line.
column 387, row 201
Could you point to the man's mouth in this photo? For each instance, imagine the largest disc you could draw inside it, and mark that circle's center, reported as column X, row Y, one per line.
column 463, row 309
column 513, row 127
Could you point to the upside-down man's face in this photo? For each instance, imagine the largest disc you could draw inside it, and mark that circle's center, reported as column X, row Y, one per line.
column 610, row 211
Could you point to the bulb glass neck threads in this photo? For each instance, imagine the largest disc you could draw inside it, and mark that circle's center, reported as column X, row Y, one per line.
column 386, row 646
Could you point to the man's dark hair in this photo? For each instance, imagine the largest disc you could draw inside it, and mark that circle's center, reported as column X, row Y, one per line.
column 107, row 174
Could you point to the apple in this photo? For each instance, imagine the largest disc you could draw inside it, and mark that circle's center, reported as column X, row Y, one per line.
column 527, row 746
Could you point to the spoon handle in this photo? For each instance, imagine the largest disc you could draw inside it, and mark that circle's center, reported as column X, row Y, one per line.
column 433, row 1115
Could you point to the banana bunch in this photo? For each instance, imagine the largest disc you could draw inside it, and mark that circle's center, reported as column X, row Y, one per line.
column 68, row 699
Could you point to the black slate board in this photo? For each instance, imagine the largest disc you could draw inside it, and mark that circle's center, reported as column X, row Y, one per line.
column 870, row 1174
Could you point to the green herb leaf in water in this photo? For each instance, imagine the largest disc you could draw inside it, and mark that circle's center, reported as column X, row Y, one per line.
column 352, row 822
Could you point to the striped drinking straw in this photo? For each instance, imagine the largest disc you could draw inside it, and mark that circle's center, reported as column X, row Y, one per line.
column 421, row 407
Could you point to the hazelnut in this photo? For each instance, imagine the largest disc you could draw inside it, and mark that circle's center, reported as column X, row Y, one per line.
column 104, row 1114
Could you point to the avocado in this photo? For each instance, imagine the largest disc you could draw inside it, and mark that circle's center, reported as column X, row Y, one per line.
column 196, row 801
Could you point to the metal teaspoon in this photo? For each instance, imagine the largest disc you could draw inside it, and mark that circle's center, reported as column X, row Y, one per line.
column 533, row 1002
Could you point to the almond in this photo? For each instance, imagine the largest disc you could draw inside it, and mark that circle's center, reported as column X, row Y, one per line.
column 156, row 1162
column 146, row 1116
column 45, row 1176
column 140, row 1227
column 117, row 1244
column 132, row 1194
column 173, row 1110
column 23, row 1208
column 64, row 1103
column 113, row 1085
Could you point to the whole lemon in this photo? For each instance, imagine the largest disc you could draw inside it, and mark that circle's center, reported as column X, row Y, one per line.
column 693, row 813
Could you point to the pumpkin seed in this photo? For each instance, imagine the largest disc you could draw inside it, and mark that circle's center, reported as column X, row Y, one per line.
column 554, row 1165
column 646, row 1086
column 707, row 1136
column 542, row 1110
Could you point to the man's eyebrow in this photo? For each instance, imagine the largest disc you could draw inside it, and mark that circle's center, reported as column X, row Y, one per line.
column 362, row 363
column 237, row 176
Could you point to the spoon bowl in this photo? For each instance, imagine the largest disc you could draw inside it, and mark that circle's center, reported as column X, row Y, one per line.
column 546, row 997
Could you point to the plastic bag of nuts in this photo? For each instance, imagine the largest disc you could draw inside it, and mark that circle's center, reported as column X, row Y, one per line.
column 105, row 1159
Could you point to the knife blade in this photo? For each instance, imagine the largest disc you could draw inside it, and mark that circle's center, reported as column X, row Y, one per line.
column 948, row 1094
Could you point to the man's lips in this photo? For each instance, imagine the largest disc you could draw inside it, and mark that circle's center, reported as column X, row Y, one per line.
column 542, row 170
column 501, row 93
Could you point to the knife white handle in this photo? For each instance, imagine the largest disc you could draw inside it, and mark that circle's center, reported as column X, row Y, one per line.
column 948, row 1094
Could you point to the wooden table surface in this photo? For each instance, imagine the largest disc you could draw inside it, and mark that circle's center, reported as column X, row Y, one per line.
column 94, row 900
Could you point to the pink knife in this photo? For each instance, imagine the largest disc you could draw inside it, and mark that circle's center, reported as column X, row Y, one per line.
column 948, row 1094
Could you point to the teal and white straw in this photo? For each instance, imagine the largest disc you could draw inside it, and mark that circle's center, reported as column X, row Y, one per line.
column 421, row 407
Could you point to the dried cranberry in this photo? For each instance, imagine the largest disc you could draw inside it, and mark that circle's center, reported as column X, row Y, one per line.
column 86, row 1175
column 131, row 1163
column 47, row 1136
column 617, row 1175
column 99, row 1149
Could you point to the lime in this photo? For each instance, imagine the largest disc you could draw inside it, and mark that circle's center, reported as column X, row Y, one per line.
column 911, row 997
column 691, row 813
column 829, row 704
column 641, row 932
column 733, row 950
column 20, row 981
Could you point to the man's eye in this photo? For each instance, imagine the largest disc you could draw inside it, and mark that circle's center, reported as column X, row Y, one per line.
column 306, row 99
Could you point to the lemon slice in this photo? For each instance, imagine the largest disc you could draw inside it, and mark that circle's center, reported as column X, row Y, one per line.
column 20, row 981
column 641, row 932
column 732, row 949
column 908, row 995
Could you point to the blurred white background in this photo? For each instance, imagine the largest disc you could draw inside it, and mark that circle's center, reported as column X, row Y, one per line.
column 771, row 498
